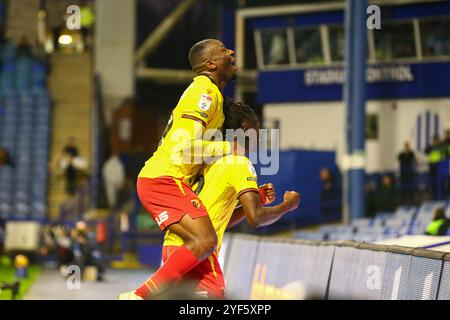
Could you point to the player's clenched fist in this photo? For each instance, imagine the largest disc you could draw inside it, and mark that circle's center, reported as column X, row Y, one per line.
column 267, row 193
column 291, row 200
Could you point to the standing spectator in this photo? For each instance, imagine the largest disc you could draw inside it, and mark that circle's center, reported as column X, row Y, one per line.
column 71, row 147
column 370, row 195
column 70, row 152
column 446, row 143
column 407, row 160
column 329, row 196
column 387, row 195
column 435, row 153
column 71, row 164
column 440, row 224
column 113, row 173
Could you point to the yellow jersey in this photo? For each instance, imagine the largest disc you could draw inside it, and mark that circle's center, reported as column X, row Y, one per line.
column 225, row 180
column 189, row 133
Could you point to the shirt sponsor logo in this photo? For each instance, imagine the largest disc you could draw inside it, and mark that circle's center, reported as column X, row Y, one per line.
column 203, row 114
column 205, row 102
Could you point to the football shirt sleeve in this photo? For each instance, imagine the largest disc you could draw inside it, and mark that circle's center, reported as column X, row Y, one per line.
column 201, row 104
column 242, row 176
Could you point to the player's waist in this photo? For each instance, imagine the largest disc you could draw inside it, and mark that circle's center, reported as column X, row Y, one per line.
column 155, row 168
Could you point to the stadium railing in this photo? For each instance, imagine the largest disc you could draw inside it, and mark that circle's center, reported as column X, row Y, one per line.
column 268, row 268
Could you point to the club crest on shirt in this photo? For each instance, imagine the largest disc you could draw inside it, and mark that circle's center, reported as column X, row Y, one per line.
column 195, row 203
column 251, row 168
column 205, row 102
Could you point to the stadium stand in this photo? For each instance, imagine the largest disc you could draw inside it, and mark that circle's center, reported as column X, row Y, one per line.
column 385, row 225
column 24, row 125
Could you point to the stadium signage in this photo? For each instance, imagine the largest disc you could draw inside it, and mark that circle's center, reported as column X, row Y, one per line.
column 374, row 74
column 384, row 81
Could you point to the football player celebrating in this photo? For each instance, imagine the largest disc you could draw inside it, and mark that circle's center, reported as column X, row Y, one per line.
column 226, row 182
column 164, row 182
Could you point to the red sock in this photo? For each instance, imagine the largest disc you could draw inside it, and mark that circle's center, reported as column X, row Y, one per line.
column 177, row 264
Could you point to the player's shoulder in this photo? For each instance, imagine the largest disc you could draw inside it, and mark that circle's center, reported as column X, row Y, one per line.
column 239, row 163
column 205, row 84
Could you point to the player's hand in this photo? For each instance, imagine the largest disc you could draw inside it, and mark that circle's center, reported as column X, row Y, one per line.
column 291, row 200
column 267, row 193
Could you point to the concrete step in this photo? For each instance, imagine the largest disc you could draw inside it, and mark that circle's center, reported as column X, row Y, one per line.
column 71, row 86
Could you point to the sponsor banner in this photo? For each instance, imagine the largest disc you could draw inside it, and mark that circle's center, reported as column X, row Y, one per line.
column 392, row 81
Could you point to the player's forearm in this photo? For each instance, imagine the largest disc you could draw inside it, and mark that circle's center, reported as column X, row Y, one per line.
column 268, row 215
column 237, row 217
column 198, row 140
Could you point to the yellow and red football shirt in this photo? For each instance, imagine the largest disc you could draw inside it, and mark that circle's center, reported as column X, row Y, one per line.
column 199, row 109
column 225, row 180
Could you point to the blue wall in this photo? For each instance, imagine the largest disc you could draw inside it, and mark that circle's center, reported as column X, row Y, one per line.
column 299, row 171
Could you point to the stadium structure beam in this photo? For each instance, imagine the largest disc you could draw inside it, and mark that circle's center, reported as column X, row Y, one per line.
column 289, row 9
column 180, row 76
column 162, row 30
column 355, row 99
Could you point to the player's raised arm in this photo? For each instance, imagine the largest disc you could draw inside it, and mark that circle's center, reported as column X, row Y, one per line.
column 267, row 195
column 259, row 216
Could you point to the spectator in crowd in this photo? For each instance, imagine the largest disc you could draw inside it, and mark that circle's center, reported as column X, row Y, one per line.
column 5, row 158
column 329, row 197
column 86, row 250
column 113, row 173
column 71, row 147
column 436, row 154
column 63, row 244
column 446, row 143
column 407, row 160
column 371, row 203
column 386, row 195
column 72, row 165
column 440, row 224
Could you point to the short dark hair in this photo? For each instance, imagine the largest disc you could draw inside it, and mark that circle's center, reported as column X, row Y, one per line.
column 236, row 113
column 197, row 53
